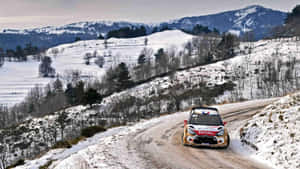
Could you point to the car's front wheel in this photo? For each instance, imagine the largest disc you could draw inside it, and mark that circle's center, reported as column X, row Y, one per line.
column 182, row 140
column 228, row 141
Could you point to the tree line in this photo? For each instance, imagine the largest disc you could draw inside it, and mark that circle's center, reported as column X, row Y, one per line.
column 127, row 32
column 291, row 27
column 19, row 54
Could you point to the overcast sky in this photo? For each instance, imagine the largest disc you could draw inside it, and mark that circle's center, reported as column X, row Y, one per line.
column 39, row 13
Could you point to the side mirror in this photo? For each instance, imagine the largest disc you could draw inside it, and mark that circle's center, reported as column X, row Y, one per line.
column 185, row 122
column 224, row 123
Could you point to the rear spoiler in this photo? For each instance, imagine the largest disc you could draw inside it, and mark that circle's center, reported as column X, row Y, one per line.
column 202, row 107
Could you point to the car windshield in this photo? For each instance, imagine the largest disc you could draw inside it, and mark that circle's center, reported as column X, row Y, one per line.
column 206, row 119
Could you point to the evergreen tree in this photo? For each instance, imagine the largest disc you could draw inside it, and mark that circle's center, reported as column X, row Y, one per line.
column 123, row 77
column 77, row 39
column 57, row 86
column 45, row 68
column 142, row 59
column 227, row 45
column 30, row 50
column 91, row 96
column 1, row 57
column 294, row 16
column 101, row 37
column 70, row 94
column 20, row 54
column 199, row 29
column 79, row 92
column 127, row 32
column 159, row 55
column 10, row 54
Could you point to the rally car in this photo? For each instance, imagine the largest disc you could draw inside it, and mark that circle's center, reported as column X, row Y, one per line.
column 205, row 128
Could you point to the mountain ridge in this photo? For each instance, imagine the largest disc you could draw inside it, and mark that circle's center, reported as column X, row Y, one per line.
column 255, row 17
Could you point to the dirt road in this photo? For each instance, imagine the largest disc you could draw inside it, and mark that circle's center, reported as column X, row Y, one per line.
column 156, row 143
column 160, row 145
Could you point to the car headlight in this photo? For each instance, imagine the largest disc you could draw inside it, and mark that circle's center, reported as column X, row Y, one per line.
column 190, row 131
column 220, row 133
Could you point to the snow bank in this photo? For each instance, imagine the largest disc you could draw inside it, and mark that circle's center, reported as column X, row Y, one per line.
column 274, row 133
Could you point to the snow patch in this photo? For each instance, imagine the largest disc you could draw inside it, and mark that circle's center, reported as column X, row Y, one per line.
column 275, row 133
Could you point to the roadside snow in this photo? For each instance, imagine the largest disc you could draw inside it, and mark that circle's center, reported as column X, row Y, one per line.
column 275, row 133
column 58, row 154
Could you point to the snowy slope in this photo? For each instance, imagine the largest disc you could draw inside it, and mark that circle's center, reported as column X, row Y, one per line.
column 275, row 133
column 17, row 78
column 120, row 50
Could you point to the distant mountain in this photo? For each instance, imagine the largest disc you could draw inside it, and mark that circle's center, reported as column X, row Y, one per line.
column 256, row 18
column 51, row 36
column 253, row 18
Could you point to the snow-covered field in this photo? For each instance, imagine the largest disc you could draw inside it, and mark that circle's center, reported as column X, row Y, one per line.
column 274, row 133
column 17, row 78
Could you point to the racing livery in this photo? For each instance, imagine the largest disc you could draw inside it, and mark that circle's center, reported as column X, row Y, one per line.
column 205, row 128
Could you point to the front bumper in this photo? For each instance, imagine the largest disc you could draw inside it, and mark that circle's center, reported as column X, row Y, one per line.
column 205, row 140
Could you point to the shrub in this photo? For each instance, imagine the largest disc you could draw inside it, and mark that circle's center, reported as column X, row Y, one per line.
column 91, row 131
column 46, row 166
column 280, row 117
column 76, row 140
column 18, row 163
column 62, row 144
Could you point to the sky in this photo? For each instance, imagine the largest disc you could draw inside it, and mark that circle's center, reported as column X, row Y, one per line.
column 21, row 14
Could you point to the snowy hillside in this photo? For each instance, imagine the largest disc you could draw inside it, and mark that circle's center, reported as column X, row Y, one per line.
column 71, row 56
column 274, row 133
column 18, row 77
column 257, row 60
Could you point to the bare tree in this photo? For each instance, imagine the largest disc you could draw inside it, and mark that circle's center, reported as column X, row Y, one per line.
column 3, row 156
column 62, row 121
column 100, row 61
column 87, row 58
column 105, row 43
column 55, row 52
column 72, row 76
column 146, row 41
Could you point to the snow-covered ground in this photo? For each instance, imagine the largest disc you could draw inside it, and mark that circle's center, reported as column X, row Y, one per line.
column 17, row 78
column 274, row 133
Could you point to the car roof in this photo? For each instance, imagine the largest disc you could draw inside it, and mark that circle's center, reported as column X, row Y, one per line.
column 204, row 110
